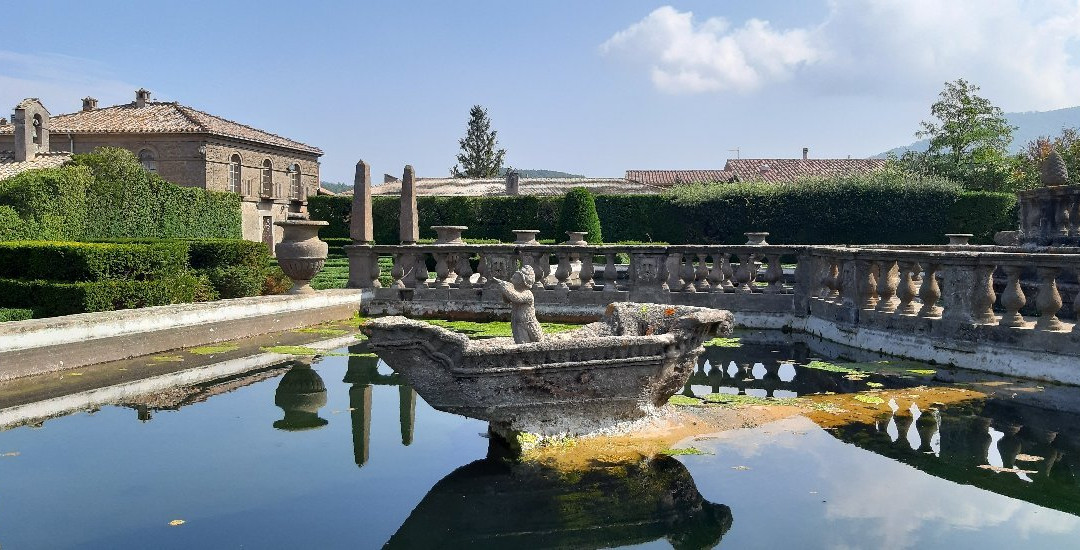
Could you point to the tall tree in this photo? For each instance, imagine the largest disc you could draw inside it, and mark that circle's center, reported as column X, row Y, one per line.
column 969, row 140
column 479, row 157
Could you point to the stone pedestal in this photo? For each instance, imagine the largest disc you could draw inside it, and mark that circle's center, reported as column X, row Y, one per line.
column 959, row 239
column 526, row 236
column 576, row 238
column 756, row 238
column 449, row 234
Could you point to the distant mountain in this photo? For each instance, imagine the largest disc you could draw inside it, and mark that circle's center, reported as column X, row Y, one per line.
column 541, row 173
column 335, row 186
column 1031, row 125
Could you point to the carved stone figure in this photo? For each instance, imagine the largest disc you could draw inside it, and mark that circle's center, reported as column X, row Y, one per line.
column 518, row 293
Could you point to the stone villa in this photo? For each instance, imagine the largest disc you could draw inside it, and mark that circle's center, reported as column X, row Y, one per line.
column 186, row 146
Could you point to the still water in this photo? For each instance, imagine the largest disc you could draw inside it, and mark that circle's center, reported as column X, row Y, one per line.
column 281, row 463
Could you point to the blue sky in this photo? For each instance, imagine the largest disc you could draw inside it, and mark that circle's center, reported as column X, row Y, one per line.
column 593, row 87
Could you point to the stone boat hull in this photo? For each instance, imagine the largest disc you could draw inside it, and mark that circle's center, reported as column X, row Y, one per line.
column 618, row 369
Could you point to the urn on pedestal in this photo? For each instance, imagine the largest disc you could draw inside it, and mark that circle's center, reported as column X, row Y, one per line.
column 300, row 253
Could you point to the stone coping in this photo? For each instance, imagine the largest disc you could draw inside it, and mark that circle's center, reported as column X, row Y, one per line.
column 38, row 333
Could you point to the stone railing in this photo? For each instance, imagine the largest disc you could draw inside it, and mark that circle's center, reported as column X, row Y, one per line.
column 1050, row 215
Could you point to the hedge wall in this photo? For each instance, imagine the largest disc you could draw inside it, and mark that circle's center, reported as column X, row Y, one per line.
column 50, row 298
column 107, row 194
column 63, row 261
column 886, row 208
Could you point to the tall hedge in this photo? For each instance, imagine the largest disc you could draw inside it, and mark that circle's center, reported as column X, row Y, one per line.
column 886, row 208
column 578, row 213
column 107, row 194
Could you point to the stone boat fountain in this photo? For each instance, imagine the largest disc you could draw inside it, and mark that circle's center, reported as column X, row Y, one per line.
column 617, row 369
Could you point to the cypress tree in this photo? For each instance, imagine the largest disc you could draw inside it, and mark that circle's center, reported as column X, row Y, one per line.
column 479, row 157
column 579, row 214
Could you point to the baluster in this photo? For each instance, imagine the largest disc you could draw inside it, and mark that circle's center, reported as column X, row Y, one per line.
column 397, row 272
column 562, row 272
column 744, row 275
column 586, row 274
column 1064, row 212
column 907, row 291
column 464, row 270
column 837, row 283
column 375, row 271
column 983, row 295
column 688, row 273
column 828, row 286
column 420, row 272
column 1048, row 302
column 1074, row 218
column 930, row 292
column 774, row 275
column 482, row 269
column 610, row 273
column 543, row 269
column 887, row 281
column 1013, row 300
column 728, row 273
column 865, row 284
column 716, row 274
column 444, row 272
column 672, row 268
column 702, row 275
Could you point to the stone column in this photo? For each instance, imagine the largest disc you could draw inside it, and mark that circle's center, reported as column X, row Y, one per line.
column 363, row 263
column 409, row 228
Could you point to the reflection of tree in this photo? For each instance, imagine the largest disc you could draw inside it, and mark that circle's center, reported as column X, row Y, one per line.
column 363, row 373
column 1048, row 441
column 494, row 503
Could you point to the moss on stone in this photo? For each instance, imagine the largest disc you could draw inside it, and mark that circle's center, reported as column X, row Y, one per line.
column 214, row 349
column 684, row 401
column 494, row 329
column 683, row 451
column 721, row 342
column 167, row 359
column 323, row 331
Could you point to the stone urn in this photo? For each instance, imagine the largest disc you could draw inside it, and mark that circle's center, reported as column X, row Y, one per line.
column 526, row 236
column 756, row 238
column 576, row 238
column 301, row 393
column 300, row 253
column 959, row 239
column 449, row 234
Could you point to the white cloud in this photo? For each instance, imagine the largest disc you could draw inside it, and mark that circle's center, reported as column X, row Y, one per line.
column 1018, row 51
column 60, row 81
column 711, row 56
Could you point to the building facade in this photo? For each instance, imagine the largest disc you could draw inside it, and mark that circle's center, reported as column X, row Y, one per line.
column 186, row 146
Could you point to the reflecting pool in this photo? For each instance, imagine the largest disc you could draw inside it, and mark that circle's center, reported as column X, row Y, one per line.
column 336, row 452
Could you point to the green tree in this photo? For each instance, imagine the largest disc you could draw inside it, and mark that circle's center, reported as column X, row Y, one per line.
column 1028, row 161
column 969, row 141
column 579, row 214
column 479, row 157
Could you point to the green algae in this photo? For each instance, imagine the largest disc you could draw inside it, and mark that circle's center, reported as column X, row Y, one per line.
column 846, row 368
column 684, row 451
column 214, row 349
column 875, row 384
column 869, row 399
column 292, row 350
column 721, row 342
column 736, row 400
column 684, row 401
column 167, row 359
column 493, row 329
column 924, row 372
column 323, row 331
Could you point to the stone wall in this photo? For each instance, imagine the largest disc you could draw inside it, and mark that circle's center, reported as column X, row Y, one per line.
column 219, row 150
column 178, row 157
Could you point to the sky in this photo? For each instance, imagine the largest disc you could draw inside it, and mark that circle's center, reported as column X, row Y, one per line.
column 590, row 87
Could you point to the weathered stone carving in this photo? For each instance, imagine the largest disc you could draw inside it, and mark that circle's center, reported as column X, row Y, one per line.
column 617, row 369
column 301, row 254
column 518, row 293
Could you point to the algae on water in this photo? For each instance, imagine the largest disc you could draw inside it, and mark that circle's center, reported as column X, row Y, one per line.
column 214, row 349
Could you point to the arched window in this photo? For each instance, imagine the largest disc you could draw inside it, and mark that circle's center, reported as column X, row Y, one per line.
column 295, row 191
column 267, row 178
column 37, row 129
column 234, row 174
column 148, row 160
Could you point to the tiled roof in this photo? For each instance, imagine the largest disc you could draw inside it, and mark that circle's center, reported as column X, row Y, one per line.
column 526, row 186
column 8, row 166
column 668, row 178
column 161, row 117
column 790, row 170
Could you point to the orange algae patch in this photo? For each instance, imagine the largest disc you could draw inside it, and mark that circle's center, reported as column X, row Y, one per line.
column 830, row 411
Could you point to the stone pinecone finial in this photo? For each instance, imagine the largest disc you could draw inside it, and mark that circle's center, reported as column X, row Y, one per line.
column 1053, row 171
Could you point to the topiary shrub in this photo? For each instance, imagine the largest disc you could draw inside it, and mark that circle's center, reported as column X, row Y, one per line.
column 50, row 298
column 579, row 214
column 73, row 262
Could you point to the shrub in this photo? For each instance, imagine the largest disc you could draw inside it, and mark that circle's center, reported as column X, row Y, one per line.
column 578, row 213
column 983, row 213
column 15, row 314
column 107, row 194
column 73, row 262
column 49, row 298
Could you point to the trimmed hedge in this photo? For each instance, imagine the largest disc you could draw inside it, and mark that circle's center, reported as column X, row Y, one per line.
column 886, row 208
column 107, row 194
column 49, row 298
column 578, row 213
column 15, row 314
column 74, row 262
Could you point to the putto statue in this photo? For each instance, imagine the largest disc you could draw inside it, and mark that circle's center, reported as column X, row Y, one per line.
column 518, row 293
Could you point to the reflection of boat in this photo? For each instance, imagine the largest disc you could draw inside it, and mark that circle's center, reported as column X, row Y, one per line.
column 616, row 369
column 493, row 503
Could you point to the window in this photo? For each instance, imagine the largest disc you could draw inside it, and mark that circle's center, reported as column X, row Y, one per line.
column 295, row 190
column 37, row 129
column 148, row 160
column 267, row 178
column 234, row 174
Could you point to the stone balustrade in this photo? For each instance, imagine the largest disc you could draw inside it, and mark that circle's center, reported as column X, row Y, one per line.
column 1050, row 216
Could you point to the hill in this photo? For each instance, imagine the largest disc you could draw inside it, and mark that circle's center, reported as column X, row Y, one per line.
column 1030, row 126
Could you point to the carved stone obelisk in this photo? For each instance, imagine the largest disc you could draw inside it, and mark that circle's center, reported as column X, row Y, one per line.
column 363, row 263
column 409, row 220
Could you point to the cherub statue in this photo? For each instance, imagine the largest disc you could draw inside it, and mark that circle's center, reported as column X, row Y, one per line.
column 518, row 293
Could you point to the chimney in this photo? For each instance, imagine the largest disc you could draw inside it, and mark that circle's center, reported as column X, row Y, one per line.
column 513, row 182
column 805, row 152
column 3, row 121
column 142, row 95
column 387, row 178
column 89, row 103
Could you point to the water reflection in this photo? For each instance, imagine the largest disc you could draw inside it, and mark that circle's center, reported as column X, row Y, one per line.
column 495, row 503
column 362, row 374
column 300, row 393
